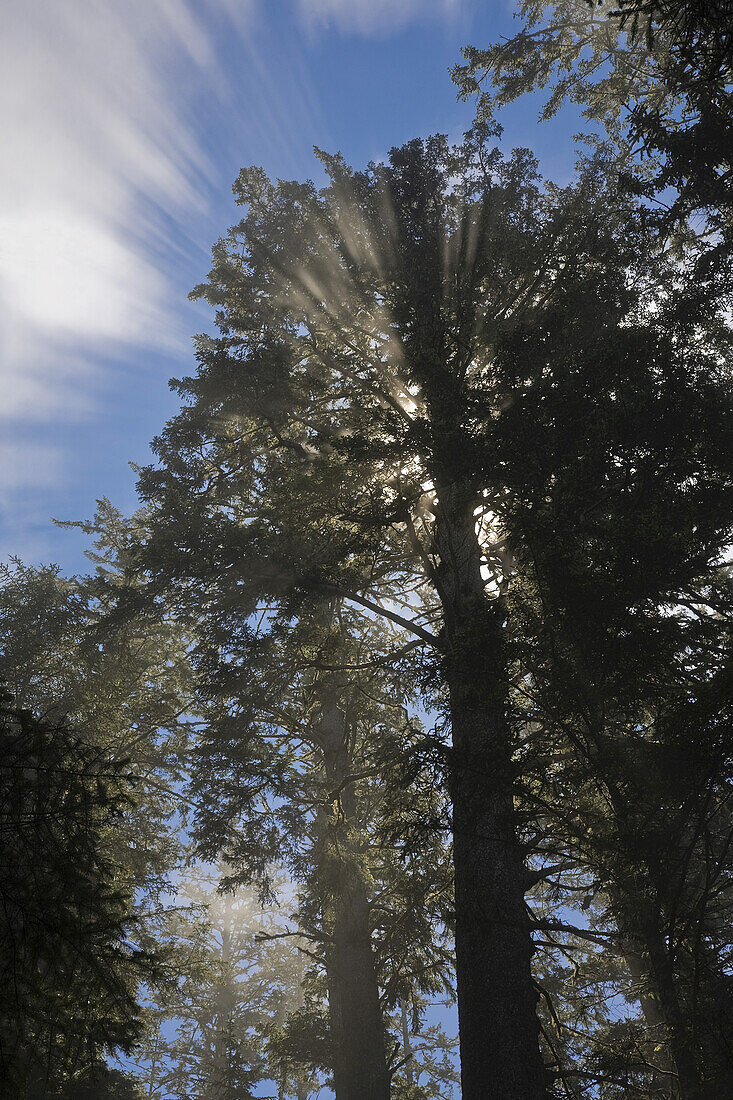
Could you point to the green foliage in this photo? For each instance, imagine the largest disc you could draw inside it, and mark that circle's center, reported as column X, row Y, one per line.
column 217, row 1032
column 657, row 75
column 69, row 972
column 91, row 728
column 273, row 787
column 435, row 361
column 442, row 337
column 123, row 690
column 629, row 535
column 101, row 1083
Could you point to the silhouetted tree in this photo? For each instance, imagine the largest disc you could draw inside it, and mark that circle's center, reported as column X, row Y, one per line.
column 69, row 972
column 343, row 436
column 656, row 74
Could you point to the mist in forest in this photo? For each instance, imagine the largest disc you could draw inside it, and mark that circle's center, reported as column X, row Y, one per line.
column 375, row 743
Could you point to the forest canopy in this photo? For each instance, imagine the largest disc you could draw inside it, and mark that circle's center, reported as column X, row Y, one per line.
column 408, row 684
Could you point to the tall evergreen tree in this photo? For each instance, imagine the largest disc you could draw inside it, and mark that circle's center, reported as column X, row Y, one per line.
column 302, row 729
column 342, row 437
column 350, row 385
column 623, row 510
column 92, row 730
column 615, row 615
column 214, row 1033
column 657, row 75
column 69, row 974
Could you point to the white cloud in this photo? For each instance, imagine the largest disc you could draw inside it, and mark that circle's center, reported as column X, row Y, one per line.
column 103, row 174
column 373, row 16
column 67, row 271
column 24, row 464
column 97, row 128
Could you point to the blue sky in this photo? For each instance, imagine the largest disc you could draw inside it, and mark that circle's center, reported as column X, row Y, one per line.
column 125, row 123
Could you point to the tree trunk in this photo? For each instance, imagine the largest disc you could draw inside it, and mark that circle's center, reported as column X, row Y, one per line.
column 651, row 1010
column 360, row 1064
column 407, row 1051
column 650, row 960
column 220, row 1068
column 681, row 1042
column 497, row 999
column 648, row 956
column 357, row 1026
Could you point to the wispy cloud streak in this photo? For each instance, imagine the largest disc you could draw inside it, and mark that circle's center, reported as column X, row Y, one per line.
column 109, row 174
column 97, row 126
column 373, row 16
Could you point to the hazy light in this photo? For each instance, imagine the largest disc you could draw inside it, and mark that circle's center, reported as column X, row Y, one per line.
column 96, row 130
column 64, row 270
column 373, row 16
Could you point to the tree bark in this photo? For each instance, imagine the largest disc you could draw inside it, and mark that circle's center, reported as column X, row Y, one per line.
column 648, row 955
column 680, row 1038
column 497, row 999
column 360, row 1064
column 407, row 1051
column 650, row 1007
column 663, row 1001
column 357, row 1025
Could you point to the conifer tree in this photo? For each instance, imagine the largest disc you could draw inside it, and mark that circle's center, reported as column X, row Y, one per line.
column 341, row 438
column 214, row 1034
column 92, row 729
column 68, row 972
column 624, row 593
column 657, row 76
column 303, row 731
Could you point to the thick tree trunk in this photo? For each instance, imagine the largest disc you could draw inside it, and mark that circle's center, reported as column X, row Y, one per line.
column 652, row 1012
column 680, row 1038
column 650, row 961
column 664, row 1000
column 497, row 999
column 357, row 1026
column 360, row 1064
